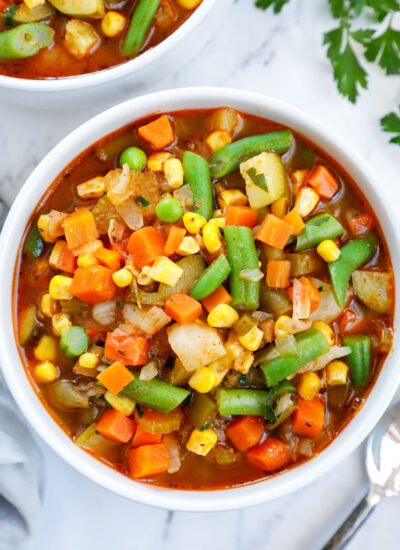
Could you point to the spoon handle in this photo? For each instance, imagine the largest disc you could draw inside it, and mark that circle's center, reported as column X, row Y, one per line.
column 350, row 526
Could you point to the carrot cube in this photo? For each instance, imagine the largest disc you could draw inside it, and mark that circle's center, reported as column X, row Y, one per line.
column 129, row 350
column 148, row 460
column 270, row 455
column 294, row 218
column 183, row 308
column 145, row 246
column 116, row 426
column 109, row 258
column 241, row 215
column 115, row 377
column 62, row 258
column 308, row 418
column 145, row 438
column 274, row 231
column 361, row 223
column 278, row 273
column 245, row 432
column 93, row 284
column 174, row 239
column 80, row 228
column 323, row 181
column 158, row 133
column 219, row 296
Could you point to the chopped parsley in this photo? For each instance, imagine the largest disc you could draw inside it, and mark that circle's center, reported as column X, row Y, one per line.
column 141, row 201
column 139, row 411
column 10, row 13
column 258, row 179
column 391, row 123
column 120, row 303
column 243, row 379
column 204, row 427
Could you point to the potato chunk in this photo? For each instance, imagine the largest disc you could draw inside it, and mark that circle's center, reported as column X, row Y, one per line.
column 265, row 179
column 374, row 289
column 80, row 38
column 80, row 8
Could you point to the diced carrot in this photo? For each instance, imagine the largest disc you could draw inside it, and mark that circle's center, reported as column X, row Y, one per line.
column 245, row 432
column 109, row 258
column 93, row 284
column 174, row 239
column 145, row 438
column 116, row 426
column 241, row 215
column 145, row 246
column 219, row 296
column 148, row 460
column 80, row 228
column 294, row 218
column 361, row 223
column 314, row 295
column 62, row 258
column 323, row 181
column 274, row 232
column 351, row 322
column 129, row 350
column 278, row 273
column 158, row 133
column 115, row 377
column 95, row 334
column 183, row 308
column 308, row 418
column 270, row 455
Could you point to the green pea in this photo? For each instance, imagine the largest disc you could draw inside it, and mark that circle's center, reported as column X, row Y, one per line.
column 169, row 210
column 74, row 342
column 134, row 157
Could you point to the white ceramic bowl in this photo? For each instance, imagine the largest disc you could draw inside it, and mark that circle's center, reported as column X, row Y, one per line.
column 33, row 190
column 122, row 81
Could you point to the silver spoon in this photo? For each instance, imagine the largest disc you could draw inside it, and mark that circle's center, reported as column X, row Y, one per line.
column 383, row 468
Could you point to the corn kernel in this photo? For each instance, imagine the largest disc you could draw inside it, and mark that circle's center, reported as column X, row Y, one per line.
column 222, row 316
column 173, row 171
column 328, row 251
column 113, row 23
column 45, row 372
column 46, row 349
column 336, row 373
column 193, row 222
column 156, row 161
column 244, row 362
column 298, row 178
column 306, row 200
column 60, row 287
column 219, row 213
column 165, row 271
column 86, row 260
column 91, row 189
column 48, row 305
column 32, row 4
column 122, row 278
column 211, row 238
column 201, row 442
column 144, row 276
column 188, row 247
column 60, row 323
column 233, row 347
column 219, row 222
column 232, row 197
column 326, row 330
column 56, row 253
column 279, row 207
column 220, row 368
column 309, row 385
column 202, row 380
column 123, row 404
column 88, row 360
column 279, row 329
column 252, row 339
column 218, row 139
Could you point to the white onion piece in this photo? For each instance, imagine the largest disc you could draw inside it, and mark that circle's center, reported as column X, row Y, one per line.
column 253, row 275
column 185, row 196
column 306, row 448
column 148, row 321
column 131, row 213
column 104, row 313
column 174, row 454
column 284, row 403
column 149, row 371
column 336, row 352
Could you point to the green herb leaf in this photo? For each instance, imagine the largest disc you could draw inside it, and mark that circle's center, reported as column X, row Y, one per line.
column 139, row 411
column 363, row 36
column 258, row 179
column 204, row 427
column 320, row 221
column 391, row 123
column 119, row 303
column 10, row 13
column 277, row 4
column 141, row 201
column 270, row 415
column 383, row 7
column 243, row 379
column 385, row 49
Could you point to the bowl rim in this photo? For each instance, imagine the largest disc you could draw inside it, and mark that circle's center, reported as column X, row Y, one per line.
column 115, row 72
column 19, row 385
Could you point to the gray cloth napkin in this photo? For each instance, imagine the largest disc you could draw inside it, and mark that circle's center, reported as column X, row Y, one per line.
column 20, row 475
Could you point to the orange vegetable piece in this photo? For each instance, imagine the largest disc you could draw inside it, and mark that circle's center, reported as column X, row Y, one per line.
column 129, row 350
column 314, row 295
column 183, row 308
column 219, row 296
column 93, row 284
column 351, row 322
column 245, row 432
column 274, row 232
column 361, row 223
column 298, row 179
column 145, row 438
column 145, row 246
column 64, row 260
column 323, row 181
column 241, row 215
column 308, row 418
column 294, row 218
column 148, row 460
column 116, row 426
column 158, row 133
column 80, row 228
column 109, row 258
column 115, row 377
column 278, row 273
column 174, row 239
column 270, row 455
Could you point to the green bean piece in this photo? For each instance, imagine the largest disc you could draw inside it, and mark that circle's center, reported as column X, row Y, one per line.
column 242, row 254
column 310, row 344
column 229, row 158
column 25, row 40
column 359, row 359
column 352, row 256
column 155, row 394
column 320, row 228
column 241, row 401
column 202, row 410
column 139, row 25
column 211, row 278
column 34, row 244
column 74, row 342
column 197, row 175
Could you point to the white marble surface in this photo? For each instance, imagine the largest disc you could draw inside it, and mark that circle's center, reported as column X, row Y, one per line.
column 283, row 57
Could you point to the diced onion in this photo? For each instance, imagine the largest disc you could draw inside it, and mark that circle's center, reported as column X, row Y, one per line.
column 305, row 448
column 283, row 404
column 131, row 213
column 253, row 275
column 336, row 352
column 174, row 454
column 148, row 372
column 104, row 313
column 148, row 321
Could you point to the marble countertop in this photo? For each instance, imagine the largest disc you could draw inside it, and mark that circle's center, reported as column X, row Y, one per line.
column 282, row 57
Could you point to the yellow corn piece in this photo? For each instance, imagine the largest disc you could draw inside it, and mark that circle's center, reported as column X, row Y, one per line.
column 32, row 4
column 188, row 247
column 222, row 316
column 122, row 278
column 123, row 404
column 173, row 171
column 155, row 162
column 306, row 200
column 202, row 380
column 219, row 222
column 328, row 251
column 232, row 197
column 193, row 222
column 233, row 347
column 211, row 238
column 60, row 287
column 45, row 372
column 326, row 330
column 201, row 442
column 220, row 368
column 46, row 349
column 48, row 305
column 88, row 360
column 60, row 323
column 86, row 260
column 113, row 23
column 309, row 385
column 336, row 373
column 165, row 271
column 252, row 339
column 218, row 139
column 279, row 329
column 279, row 207
column 144, row 276
column 91, row 189
column 244, row 362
